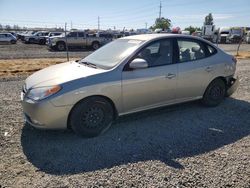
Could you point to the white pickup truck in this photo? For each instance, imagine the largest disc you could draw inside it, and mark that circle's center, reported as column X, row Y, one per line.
column 75, row 39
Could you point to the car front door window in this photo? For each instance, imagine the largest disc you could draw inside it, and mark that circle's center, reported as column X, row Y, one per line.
column 158, row 53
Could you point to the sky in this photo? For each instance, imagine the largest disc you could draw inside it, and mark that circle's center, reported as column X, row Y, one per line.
column 131, row 14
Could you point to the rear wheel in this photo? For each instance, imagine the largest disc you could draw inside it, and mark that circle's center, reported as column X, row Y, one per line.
column 95, row 45
column 42, row 41
column 215, row 93
column 13, row 42
column 61, row 46
column 91, row 117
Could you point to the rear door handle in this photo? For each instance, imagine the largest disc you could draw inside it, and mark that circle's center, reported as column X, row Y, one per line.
column 170, row 76
column 209, row 69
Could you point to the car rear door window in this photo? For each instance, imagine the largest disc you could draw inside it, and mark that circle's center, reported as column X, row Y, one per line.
column 190, row 50
column 80, row 34
column 158, row 53
column 72, row 34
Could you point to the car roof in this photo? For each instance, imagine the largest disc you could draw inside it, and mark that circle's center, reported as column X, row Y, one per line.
column 148, row 37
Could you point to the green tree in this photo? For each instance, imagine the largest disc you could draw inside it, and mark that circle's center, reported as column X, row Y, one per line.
column 161, row 23
column 209, row 19
column 192, row 29
column 8, row 27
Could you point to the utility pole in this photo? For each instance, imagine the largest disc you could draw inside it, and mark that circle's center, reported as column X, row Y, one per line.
column 98, row 23
column 146, row 25
column 71, row 24
column 160, row 11
column 65, row 30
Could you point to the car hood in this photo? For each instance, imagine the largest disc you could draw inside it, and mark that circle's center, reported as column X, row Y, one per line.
column 56, row 37
column 60, row 73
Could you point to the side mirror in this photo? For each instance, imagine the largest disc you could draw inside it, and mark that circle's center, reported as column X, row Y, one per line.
column 138, row 63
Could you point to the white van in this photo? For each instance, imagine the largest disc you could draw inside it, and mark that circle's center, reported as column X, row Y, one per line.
column 223, row 35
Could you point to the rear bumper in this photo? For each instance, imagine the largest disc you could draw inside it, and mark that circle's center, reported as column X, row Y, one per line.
column 233, row 84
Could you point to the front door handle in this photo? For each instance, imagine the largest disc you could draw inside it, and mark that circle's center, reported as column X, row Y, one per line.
column 170, row 76
column 209, row 69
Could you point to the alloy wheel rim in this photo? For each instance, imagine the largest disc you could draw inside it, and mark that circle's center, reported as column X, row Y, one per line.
column 93, row 117
column 216, row 92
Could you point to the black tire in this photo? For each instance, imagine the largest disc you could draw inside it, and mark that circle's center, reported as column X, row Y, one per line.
column 91, row 117
column 215, row 93
column 41, row 41
column 31, row 41
column 13, row 41
column 60, row 46
column 95, row 45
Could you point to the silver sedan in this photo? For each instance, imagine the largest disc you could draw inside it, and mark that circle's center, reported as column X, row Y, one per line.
column 128, row 75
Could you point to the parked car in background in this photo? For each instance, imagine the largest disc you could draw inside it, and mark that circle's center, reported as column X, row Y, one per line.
column 37, row 38
column 185, row 32
column 52, row 34
column 248, row 37
column 236, row 34
column 22, row 35
column 7, row 38
column 196, row 33
column 75, row 39
column 127, row 75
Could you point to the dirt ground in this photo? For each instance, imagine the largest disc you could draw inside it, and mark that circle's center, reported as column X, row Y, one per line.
column 24, row 67
column 186, row 145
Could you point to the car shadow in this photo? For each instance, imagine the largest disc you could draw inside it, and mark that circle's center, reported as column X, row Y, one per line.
column 73, row 49
column 164, row 134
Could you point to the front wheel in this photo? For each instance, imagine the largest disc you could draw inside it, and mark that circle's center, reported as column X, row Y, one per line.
column 61, row 46
column 215, row 93
column 91, row 117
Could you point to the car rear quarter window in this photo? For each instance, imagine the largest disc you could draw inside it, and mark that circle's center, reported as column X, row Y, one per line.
column 210, row 50
column 190, row 50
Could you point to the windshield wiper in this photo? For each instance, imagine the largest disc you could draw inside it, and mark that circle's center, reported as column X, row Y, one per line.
column 88, row 64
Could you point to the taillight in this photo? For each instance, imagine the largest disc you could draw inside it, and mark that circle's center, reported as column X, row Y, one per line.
column 234, row 59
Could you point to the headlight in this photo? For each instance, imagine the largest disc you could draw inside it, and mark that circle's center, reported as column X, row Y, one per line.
column 40, row 93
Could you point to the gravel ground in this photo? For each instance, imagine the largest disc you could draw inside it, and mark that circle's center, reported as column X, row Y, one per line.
column 24, row 51
column 180, row 146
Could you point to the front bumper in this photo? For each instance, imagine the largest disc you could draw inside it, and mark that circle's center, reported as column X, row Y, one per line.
column 44, row 115
column 233, row 84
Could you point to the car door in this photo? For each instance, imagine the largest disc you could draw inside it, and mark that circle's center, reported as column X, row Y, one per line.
column 194, row 69
column 2, row 38
column 72, row 39
column 153, row 86
column 81, row 39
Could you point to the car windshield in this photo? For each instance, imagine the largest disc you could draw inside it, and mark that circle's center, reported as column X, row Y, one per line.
column 113, row 53
column 236, row 31
column 63, row 34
